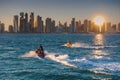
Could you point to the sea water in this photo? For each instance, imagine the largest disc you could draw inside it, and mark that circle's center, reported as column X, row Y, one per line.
column 91, row 57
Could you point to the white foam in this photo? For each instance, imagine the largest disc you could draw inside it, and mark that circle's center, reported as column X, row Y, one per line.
column 51, row 56
column 60, row 59
column 78, row 60
column 62, row 56
column 84, row 45
column 101, row 67
column 76, row 45
column 30, row 54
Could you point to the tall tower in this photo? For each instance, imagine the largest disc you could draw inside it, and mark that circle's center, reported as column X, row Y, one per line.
column 78, row 27
column 103, row 28
column 26, row 29
column 39, row 24
column 48, row 25
column 114, row 27
column 53, row 26
column 31, row 22
column 86, row 25
column 65, row 27
column 2, row 27
column 15, row 22
column 108, row 27
column 21, row 22
column 72, row 27
column 11, row 30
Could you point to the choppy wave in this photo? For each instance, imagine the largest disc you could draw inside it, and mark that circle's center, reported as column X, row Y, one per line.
column 102, row 68
column 51, row 56
column 96, row 57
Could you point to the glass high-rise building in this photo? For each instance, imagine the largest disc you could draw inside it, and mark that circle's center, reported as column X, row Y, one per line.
column 48, row 25
column 2, row 27
column 15, row 22
column 86, row 25
column 26, row 27
column 39, row 24
column 21, row 28
column 108, row 27
column 31, row 22
column 72, row 27
column 11, row 30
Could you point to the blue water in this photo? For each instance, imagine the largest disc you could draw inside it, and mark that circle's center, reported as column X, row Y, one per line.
column 90, row 57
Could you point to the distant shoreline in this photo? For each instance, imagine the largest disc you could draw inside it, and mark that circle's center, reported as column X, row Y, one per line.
column 60, row 33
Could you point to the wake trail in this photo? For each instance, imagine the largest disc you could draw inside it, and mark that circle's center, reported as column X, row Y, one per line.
column 84, row 45
column 29, row 54
column 60, row 59
column 51, row 56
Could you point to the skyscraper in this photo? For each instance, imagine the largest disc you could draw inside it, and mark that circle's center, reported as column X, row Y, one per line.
column 114, row 28
column 86, row 25
column 31, row 22
column 11, row 30
column 90, row 26
column 72, row 27
column 103, row 28
column 108, row 27
column 48, row 25
column 59, row 28
column 15, row 22
column 2, row 27
column 53, row 26
column 39, row 24
column 21, row 22
column 65, row 27
column 78, row 26
column 26, row 27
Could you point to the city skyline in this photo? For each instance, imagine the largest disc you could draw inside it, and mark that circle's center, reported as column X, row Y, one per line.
column 29, row 23
column 61, row 10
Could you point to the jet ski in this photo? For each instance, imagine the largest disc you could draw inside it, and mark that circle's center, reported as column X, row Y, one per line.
column 68, row 44
column 38, row 52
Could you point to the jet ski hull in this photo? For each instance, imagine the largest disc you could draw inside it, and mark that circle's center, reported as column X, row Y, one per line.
column 40, row 54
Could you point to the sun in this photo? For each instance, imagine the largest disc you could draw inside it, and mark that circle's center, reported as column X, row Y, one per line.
column 99, row 20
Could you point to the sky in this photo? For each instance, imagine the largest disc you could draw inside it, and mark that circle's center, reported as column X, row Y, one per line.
column 61, row 10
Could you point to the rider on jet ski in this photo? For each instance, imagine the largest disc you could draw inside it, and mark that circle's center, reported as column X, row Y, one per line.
column 68, row 44
column 40, row 51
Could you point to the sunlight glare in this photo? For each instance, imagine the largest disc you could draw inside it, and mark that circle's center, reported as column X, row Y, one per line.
column 99, row 20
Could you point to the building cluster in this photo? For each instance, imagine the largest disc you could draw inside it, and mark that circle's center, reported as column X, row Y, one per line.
column 25, row 25
column 30, row 24
column 2, row 27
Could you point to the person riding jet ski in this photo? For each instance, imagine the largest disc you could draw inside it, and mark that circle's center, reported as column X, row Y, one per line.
column 40, row 51
column 68, row 44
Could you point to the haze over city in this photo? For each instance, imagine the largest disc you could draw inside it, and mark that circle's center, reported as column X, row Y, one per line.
column 61, row 10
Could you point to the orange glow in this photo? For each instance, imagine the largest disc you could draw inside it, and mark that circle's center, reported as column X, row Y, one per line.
column 99, row 20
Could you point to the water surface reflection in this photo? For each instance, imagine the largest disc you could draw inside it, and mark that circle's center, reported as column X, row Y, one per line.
column 98, row 41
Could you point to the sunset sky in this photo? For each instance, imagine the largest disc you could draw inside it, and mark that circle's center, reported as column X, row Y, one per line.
column 61, row 10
